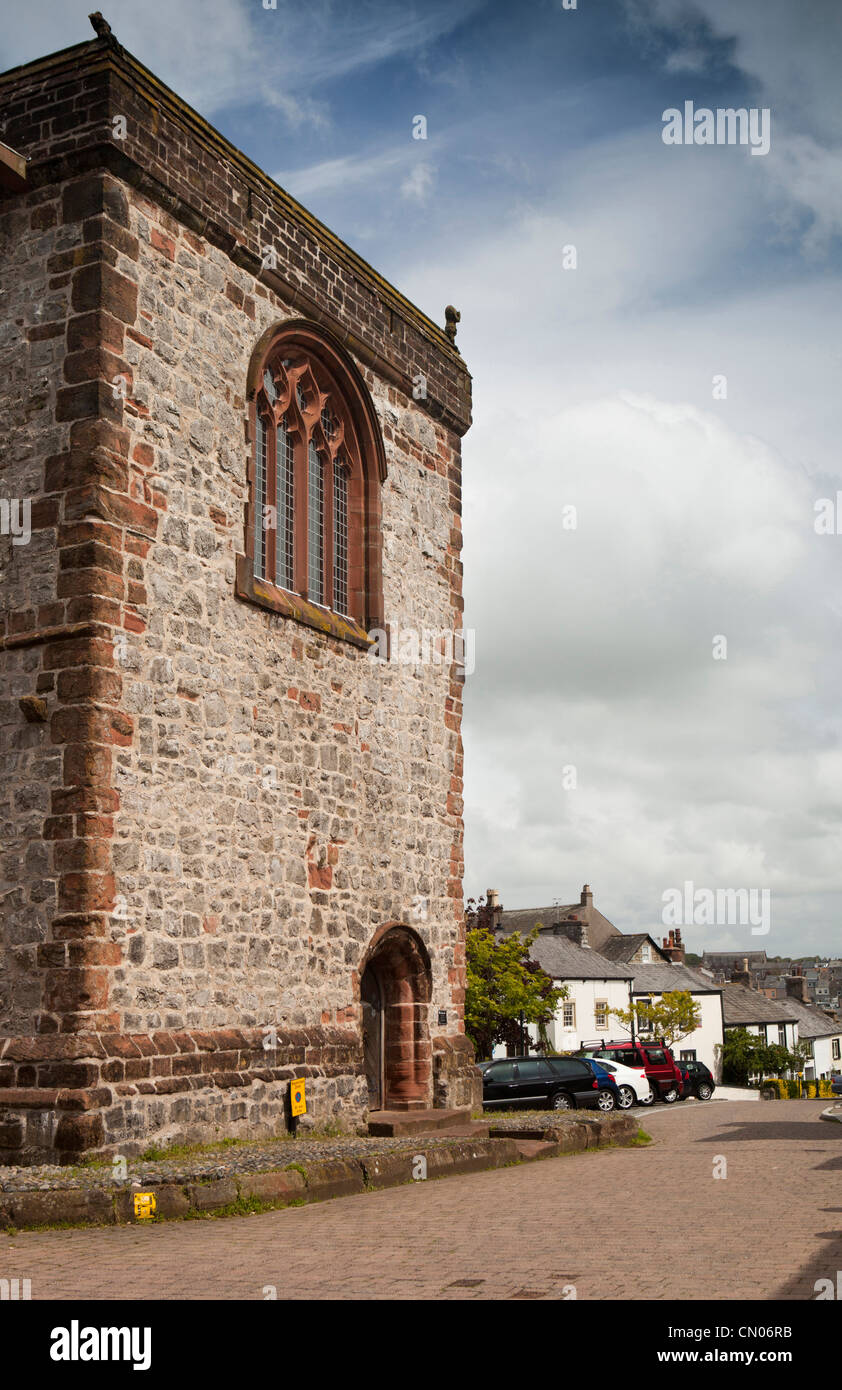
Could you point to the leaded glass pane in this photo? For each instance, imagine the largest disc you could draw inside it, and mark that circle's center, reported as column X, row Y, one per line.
column 315, row 526
column 340, row 537
column 285, row 506
column 260, row 500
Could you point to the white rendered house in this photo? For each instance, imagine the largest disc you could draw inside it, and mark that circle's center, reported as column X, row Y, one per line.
column 704, row 1044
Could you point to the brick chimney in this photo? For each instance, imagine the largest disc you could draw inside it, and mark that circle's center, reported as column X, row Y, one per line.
column 493, row 910
column 575, row 930
column 742, row 977
column 796, row 988
column 674, row 947
column 586, row 897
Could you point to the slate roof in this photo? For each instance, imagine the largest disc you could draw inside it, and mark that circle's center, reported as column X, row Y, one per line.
column 813, row 1022
column 656, row 979
column 564, row 960
column 722, row 959
column 623, row 947
column 524, row 919
column 740, row 1005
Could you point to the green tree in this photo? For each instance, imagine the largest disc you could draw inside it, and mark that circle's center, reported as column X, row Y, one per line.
column 503, row 986
column 672, row 1018
column 804, row 1054
column 746, row 1054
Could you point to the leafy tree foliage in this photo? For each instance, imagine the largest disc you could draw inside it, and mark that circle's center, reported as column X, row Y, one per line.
column 504, row 986
column 672, row 1018
column 746, row 1054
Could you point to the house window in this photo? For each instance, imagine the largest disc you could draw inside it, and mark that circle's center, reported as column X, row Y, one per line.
column 568, row 1018
column 317, row 465
column 644, row 1018
column 836, row 1052
column 600, row 1010
column 689, row 1056
column 645, row 955
column 782, row 1034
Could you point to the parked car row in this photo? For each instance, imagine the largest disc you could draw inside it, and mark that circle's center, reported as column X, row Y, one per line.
column 602, row 1075
column 563, row 1083
column 632, row 1081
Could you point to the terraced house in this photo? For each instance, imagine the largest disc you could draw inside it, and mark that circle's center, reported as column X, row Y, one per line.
column 231, row 837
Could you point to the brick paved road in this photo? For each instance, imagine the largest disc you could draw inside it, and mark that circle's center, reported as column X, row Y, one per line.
column 768, row 1230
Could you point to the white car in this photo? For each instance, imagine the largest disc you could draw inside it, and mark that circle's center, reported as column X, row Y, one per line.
column 632, row 1082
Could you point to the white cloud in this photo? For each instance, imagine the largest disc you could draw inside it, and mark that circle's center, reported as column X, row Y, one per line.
column 594, row 647
column 791, row 56
column 418, row 185
column 593, row 386
column 810, row 176
column 350, row 173
column 227, row 53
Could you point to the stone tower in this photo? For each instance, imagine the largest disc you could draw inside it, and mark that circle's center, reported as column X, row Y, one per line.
column 231, row 833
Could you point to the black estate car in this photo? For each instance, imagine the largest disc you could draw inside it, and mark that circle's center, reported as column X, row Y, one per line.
column 698, row 1080
column 564, row 1083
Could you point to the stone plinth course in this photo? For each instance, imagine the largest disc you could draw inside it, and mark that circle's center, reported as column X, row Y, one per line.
column 247, row 1176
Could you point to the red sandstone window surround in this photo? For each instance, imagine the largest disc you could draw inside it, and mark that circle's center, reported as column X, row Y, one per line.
column 312, row 536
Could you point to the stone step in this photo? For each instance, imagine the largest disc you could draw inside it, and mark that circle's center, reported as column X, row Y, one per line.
column 473, row 1129
column 409, row 1122
column 534, row 1148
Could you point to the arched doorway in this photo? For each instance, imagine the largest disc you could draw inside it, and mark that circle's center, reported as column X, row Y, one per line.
column 395, row 989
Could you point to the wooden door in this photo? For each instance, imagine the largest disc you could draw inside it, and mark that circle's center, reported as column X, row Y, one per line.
column 372, row 1002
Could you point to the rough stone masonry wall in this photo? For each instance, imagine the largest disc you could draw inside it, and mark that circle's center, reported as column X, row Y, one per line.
column 284, row 794
column 237, row 802
column 34, row 299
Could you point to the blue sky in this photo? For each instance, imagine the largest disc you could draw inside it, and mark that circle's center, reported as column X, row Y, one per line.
column 594, row 388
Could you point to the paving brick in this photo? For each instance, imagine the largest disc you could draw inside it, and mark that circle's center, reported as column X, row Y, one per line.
column 632, row 1223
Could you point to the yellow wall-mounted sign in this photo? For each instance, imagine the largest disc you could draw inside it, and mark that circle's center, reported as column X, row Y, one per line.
column 144, row 1204
column 297, row 1098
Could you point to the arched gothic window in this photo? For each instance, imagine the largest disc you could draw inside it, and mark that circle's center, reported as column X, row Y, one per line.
column 313, row 531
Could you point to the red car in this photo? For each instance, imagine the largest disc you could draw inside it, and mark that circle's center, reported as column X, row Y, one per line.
column 654, row 1057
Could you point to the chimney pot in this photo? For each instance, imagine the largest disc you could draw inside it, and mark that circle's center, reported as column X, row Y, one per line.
column 673, row 947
